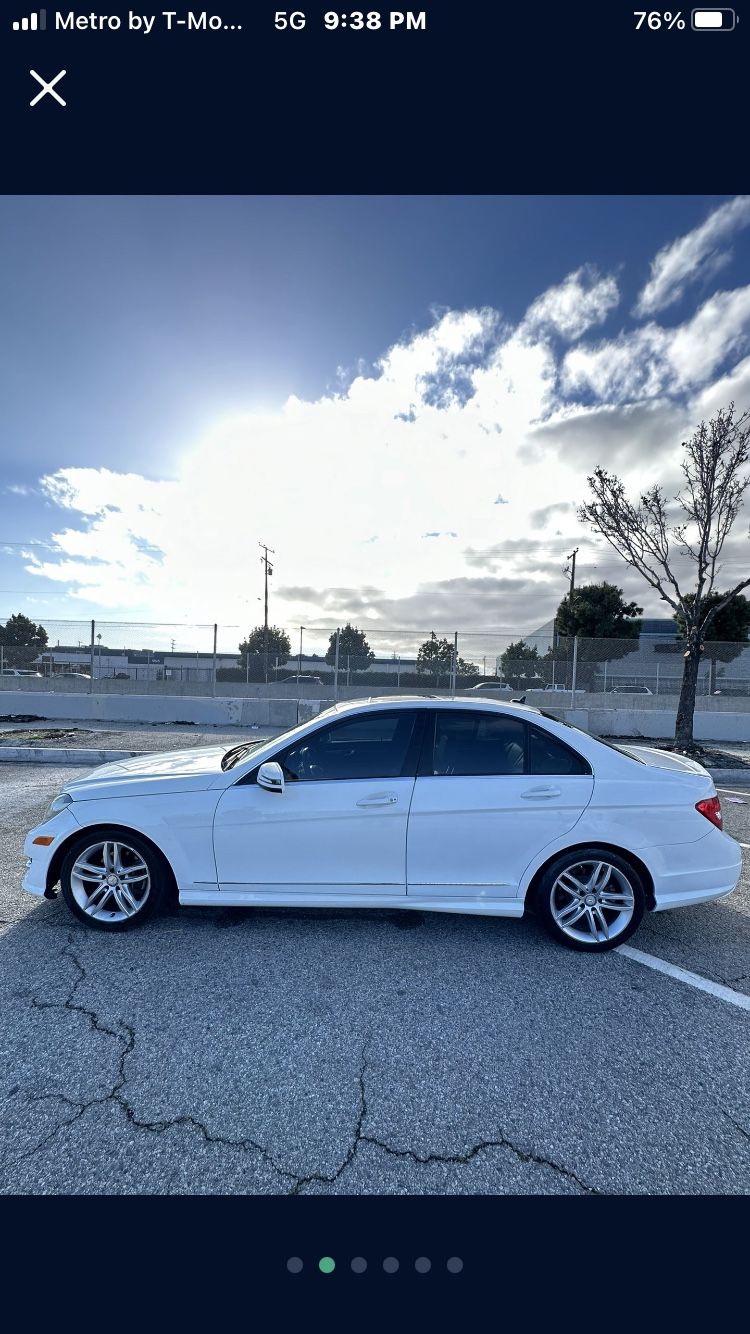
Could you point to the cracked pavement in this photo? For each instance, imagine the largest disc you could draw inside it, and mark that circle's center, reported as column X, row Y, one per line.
column 344, row 1052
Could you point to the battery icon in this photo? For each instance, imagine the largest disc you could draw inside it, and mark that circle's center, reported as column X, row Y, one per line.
column 713, row 20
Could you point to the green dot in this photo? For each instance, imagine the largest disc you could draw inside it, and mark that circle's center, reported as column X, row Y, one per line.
column 326, row 1265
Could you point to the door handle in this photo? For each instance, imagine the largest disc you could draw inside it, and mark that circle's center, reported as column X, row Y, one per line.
column 540, row 793
column 379, row 799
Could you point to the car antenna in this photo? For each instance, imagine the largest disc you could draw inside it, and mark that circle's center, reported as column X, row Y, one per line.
column 522, row 700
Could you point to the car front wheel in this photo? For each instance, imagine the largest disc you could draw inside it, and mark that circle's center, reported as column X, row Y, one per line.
column 591, row 900
column 112, row 880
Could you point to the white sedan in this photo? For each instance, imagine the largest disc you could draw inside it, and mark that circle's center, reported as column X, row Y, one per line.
column 446, row 805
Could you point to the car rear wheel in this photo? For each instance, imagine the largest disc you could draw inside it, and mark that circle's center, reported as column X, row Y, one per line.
column 111, row 880
column 591, row 900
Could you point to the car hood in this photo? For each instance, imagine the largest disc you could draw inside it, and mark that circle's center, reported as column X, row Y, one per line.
column 665, row 759
column 184, row 769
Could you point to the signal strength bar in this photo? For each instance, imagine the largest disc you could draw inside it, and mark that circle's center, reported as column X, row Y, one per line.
column 35, row 23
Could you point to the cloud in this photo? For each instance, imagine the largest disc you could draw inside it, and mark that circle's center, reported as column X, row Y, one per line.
column 487, row 606
column 543, row 517
column 581, row 301
column 698, row 255
column 355, row 489
column 652, row 360
column 634, row 439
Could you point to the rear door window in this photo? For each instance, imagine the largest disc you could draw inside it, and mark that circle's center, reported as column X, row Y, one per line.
column 477, row 744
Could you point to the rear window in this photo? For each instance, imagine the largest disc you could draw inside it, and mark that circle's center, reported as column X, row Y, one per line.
column 610, row 744
column 550, row 756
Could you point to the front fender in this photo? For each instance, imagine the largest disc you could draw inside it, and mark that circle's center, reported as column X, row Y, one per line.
column 180, row 826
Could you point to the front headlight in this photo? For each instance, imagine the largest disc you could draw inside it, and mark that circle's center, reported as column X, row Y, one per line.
column 59, row 803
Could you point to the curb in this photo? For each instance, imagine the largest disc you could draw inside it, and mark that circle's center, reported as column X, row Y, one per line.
column 59, row 755
column 722, row 776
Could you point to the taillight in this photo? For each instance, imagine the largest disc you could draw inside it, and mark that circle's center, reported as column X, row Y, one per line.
column 711, row 808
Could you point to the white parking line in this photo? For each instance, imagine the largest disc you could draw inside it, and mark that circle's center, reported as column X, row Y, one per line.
column 682, row 975
column 745, row 845
column 735, row 792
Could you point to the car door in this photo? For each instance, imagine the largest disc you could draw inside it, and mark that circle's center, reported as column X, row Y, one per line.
column 339, row 826
column 491, row 792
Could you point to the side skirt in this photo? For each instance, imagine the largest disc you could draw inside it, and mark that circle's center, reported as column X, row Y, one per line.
column 317, row 898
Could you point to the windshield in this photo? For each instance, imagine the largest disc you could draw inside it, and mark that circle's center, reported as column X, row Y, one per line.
column 585, row 732
column 240, row 752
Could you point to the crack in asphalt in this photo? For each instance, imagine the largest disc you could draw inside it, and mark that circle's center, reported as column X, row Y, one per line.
column 115, row 1094
column 127, row 1039
column 459, row 1159
column 736, row 1124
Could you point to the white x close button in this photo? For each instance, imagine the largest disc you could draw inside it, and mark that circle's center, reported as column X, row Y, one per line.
column 47, row 87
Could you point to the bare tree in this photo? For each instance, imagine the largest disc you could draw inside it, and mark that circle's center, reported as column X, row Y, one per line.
column 710, row 500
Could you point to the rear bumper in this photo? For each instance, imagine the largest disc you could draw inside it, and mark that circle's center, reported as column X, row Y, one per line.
column 689, row 873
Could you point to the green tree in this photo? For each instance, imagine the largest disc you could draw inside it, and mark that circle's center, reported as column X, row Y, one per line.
column 20, row 631
column 435, row 658
column 645, row 534
column 263, row 647
column 520, row 664
column 730, row 630
column 599, row 611
column 21, row 640
column 354, row 650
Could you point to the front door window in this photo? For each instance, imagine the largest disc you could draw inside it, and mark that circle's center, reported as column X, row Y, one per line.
column 369, row 746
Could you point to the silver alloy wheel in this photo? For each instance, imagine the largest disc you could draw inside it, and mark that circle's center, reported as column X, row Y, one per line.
column 110, row 880
column 592, row 901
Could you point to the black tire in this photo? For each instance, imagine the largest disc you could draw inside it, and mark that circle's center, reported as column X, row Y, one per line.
column 135, row 851
column 620, row 883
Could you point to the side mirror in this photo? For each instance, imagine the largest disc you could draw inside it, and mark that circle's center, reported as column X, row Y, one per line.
column 271, row 776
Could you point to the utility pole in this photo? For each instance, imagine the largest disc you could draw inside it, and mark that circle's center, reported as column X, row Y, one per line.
column 572, row 559
column 268, row 569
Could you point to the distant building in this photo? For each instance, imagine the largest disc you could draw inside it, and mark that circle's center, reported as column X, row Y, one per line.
column 131, row 664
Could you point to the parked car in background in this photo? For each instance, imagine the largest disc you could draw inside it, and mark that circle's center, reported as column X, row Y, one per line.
column 67, row 676
column 302, row 679
column 564, row 690
column 630, row 690
column 442, row 805
column 492, row 685
column 19, row 671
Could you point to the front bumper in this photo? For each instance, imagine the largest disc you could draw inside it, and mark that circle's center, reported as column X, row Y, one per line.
column 38, row 855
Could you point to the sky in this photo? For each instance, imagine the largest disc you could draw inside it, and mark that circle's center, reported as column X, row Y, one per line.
column 402, row 396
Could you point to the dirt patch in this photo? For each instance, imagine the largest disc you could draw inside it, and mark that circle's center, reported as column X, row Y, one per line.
column 21, row 718
column 42, row 736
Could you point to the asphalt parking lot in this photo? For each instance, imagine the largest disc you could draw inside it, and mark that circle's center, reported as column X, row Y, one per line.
column 343, row 1052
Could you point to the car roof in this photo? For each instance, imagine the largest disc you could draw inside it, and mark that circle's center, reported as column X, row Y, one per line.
column 431, row 702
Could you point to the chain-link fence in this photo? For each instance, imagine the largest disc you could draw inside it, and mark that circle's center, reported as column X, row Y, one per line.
column 337, row 662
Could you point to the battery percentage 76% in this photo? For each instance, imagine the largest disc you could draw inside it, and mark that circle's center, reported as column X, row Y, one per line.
column 655, row 19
